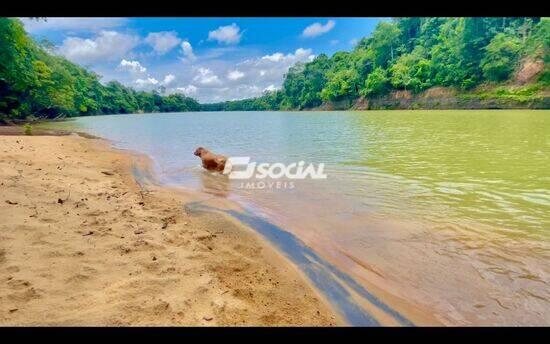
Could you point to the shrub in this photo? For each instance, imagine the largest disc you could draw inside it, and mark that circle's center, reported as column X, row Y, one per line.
column 377, row 83
column 28, row 129
column 501, row 57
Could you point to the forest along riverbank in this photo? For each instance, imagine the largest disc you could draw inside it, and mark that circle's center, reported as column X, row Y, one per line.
column 82, row 244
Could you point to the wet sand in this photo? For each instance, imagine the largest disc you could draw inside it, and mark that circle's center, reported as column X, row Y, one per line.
column 82, row 243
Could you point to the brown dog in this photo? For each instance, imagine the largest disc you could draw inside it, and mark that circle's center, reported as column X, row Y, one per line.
column 211, row 161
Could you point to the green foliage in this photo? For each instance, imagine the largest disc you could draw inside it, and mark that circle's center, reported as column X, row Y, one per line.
column 537, row 44
column 269, row 101
column 501, row 58
column 377, row 83
column 385, row 43
column 513, row 93
column 403, row 54
column 411, row 71
column 415, row 54
column 33, row 81
column 341, row 84
column 27, row 128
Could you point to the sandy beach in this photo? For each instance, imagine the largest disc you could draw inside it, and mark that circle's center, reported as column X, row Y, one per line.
column 81, row 243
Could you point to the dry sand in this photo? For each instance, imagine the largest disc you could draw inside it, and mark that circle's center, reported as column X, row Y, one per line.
column 82, row 244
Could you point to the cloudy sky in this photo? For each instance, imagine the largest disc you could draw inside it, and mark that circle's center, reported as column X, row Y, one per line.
column 209, row 59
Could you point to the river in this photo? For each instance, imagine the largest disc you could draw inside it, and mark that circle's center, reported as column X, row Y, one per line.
column 439, row 212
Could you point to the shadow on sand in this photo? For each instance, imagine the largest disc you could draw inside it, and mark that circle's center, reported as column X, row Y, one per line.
column 333, row 283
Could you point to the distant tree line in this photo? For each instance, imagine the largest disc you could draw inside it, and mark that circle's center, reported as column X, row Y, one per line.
column 412, row 54
column 35, row 82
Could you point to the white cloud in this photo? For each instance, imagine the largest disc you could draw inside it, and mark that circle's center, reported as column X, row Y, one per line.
column 220, row 79
column 162, row 42
column 187, row 50
column 334, row 42
column 270, row 69
column 107, row 45
column 354, row 41
column 132, row 66
column 230, row 34
column 72, row 24
column 206, row 77
column 235, row 75
column 168, row 79
column 270, row 88
column 187, row 90
column 299, row 55
column 317, row 29
column 247, row 79
column 274, row 57
column 146, row 83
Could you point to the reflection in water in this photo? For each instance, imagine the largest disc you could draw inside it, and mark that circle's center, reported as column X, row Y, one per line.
column 214, row 183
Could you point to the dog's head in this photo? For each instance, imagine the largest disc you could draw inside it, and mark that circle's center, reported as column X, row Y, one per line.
column 199, row 151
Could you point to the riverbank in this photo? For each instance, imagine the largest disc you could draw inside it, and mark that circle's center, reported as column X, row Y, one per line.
column 532, row 96
column 18, row 130
column 83, row 244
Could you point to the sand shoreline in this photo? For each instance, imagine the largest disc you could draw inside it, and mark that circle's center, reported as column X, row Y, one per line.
column 83, row 244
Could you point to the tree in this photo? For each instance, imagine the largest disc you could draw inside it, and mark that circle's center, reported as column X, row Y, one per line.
column 35, row 81
column 411, row 71
column 501, row 57
column 406, row 53
column 413, row 54
column 342, row 84
column 448, row 66
column 377, row 83
column 385, row 43
column 410, row 29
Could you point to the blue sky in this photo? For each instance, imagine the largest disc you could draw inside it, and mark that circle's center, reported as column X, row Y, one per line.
column 209, row 59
